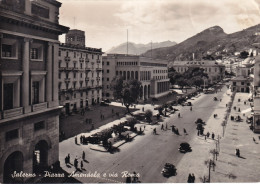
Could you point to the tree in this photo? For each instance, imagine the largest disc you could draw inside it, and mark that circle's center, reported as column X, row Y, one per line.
column 244, row 54
column 182, row 82
column 127, row 91
column 148, row 115
column 197, row 81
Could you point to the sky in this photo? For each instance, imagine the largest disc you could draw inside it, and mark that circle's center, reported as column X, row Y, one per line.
column 106, row 22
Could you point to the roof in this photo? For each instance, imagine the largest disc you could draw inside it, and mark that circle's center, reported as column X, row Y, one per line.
column 197, row 63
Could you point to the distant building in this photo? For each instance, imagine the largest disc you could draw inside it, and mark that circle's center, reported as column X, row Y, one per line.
column 152, row 73
column 29, row 106
column 215, row 71
column 243, row 80
column 80, row 73
column 256, row 96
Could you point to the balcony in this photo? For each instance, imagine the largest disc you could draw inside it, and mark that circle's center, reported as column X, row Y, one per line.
column 86, row 60
column 67, row 79
column 88, row 69
column 99, row 86
column 12, row 112
column 81, row 59
column 40, row 106
column 98, row 61
column 99, row 69
column 67, row 59
column 98, row 78
column 87, row 79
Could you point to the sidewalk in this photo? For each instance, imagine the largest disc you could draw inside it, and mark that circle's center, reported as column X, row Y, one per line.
column 229, row 167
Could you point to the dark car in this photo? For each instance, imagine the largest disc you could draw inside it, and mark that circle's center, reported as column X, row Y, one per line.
column 107, row 101
column 169, row 170
column 185, row 147
column 102, row 103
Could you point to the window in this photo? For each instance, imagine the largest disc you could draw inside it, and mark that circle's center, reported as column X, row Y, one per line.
column 107, row 79
column 40, row 11
column 74, row 54
column 8, row 96
column 116, row 72
column 12, row 134
column 39, row 125
column 107, row 63
column 107, row 71
column 35, row 92
column 92, row 56
column 92, row 74
column 74, row 95
column 74, row 64
column 59, row 75
column 67, row 54
column 59, row 53
column 92, row 92
column 9, row 48
column 107, row 86
column 36, row 51
column 81, row 94
column 59, row 64
column 242, row 83
column 80, row 75
column 74, row 75
column 74, row 85
column 81, row 65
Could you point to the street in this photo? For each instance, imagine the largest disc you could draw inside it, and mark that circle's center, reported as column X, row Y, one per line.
column 148, row 153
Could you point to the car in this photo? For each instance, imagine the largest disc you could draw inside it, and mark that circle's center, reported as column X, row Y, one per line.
column 103, row 103
column 169, row 170
column 185, row 147
column 107, row 101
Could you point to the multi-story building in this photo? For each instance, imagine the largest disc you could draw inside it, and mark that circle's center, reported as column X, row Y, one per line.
column 152, row 73
column 29, row 106
column 80, row 73
column 256, row 96
column 242, row 81
column 215, row 71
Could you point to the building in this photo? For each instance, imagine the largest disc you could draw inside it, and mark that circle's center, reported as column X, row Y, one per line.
column 29, row 106
column 256, row 96
column 80, row 73
column 152, row 73
column 215, row 71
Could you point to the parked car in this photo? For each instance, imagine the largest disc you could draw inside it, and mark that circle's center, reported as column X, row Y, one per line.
column 169, row 170
column 107, row 101
column 185, row 147
column 103, row 103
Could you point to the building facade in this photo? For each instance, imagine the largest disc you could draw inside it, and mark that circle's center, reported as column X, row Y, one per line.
column 256, row 96
column 29, row 106
column 242, row 81
column 80, row 73
column 215, row 71
column 152, row 73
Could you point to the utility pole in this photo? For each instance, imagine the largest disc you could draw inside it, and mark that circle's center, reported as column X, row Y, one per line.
column 127, row 42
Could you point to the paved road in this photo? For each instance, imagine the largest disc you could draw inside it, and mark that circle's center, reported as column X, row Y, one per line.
column 147, row 154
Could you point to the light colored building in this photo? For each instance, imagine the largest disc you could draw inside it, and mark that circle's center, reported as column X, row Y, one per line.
column 29, row 106
column 80, row 73
column 256, row 96
column 215, row 71
column 244, row 78
column 152, row 73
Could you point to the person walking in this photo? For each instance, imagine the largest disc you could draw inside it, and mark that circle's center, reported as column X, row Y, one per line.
column 190, row 108
column 81, row 165
column 184, row 131
column 83, row 155
column 189, row 178
column 162, row 128
column 193, row 178
column 213, row 136
column 179, row 115
column 166, row 126
column 208, row 134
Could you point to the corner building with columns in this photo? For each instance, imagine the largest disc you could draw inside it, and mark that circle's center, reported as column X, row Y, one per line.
column 80, row 73
column 152, row 73
column 29, row 104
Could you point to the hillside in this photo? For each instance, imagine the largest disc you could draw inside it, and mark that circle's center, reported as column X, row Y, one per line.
column 212, row 41
column 138, row 49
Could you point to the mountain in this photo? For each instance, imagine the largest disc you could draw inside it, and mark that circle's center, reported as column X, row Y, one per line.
column 213, row 41
column 138, row 49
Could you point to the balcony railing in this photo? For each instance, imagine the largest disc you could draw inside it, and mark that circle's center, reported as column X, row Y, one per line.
column 67, row 79
column 67, row 58
column 98, row 61
column 40, row 106
column 99, row 69
column 12, row 112
column 88, row 69
column 86, row 60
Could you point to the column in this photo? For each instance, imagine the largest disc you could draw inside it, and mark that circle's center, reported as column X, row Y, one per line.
column 25, row 78
column 49, row 81
column 55, row 71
